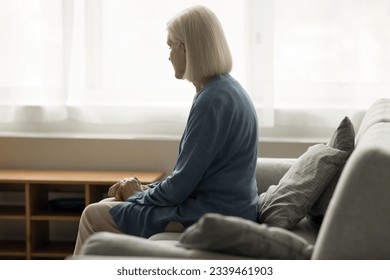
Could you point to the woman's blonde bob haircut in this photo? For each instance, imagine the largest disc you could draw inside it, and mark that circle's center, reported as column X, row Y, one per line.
column 207, row 51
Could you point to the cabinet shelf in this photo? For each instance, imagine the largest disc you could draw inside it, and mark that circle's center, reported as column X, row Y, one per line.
column 24, row 199
column 12, row 249
column 53, row 216
column 12, row 212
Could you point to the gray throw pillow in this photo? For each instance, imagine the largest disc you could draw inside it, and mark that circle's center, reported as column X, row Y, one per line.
column 287, row 203
column 344, row 136
column 342, row 139
column 240, row 237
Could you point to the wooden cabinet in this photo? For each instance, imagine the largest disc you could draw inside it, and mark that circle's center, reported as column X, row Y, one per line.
column 45, row 207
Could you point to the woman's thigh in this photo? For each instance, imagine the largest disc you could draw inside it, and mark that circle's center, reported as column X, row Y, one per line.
column 98, row 214
column 99, row 217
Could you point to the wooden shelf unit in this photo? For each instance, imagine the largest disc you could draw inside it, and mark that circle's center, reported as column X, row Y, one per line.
column 24, row 199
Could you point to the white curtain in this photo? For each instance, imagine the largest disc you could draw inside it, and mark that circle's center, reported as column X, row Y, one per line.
column 31, row 61
column 103, row 64
column 331, row 59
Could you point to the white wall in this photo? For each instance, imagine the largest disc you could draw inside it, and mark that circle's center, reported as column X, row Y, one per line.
column 103, row 154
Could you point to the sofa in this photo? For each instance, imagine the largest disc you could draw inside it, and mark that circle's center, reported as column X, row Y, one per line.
column 355, row 223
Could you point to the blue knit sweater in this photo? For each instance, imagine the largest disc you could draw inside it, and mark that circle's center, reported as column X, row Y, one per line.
column 214, row 171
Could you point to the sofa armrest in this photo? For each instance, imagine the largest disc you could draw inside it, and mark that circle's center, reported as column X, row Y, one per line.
column 356, row 224
column 269, row 171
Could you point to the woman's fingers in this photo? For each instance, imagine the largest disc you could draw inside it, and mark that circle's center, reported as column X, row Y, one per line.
column 125, row 188
column 113, row 189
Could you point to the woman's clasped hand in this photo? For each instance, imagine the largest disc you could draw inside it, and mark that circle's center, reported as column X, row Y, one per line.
column 125, row 188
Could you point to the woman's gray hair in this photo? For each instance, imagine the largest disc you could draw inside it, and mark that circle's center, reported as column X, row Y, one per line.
column 207, row 51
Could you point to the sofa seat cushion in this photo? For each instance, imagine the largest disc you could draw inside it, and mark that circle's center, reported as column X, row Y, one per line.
column 108, row 244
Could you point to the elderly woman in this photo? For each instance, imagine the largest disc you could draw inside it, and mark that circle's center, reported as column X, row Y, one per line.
column 215, row 168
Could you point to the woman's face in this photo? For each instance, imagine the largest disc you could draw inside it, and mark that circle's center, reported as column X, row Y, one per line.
column 177, row 57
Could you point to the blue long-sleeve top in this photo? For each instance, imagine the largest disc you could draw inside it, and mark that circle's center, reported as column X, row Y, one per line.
column 214, row 171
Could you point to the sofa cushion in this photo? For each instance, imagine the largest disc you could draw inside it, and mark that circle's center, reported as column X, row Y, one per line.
column 117, row 245
column 285, row 204
column 342, row 139
column 237, row 236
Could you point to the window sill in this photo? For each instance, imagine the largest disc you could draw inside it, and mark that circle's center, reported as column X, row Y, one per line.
column 291, row 126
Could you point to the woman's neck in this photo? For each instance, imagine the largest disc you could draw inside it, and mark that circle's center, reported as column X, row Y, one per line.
column 200, row 85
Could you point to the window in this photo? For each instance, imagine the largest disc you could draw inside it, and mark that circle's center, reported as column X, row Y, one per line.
column 101, row 66
column 332, row 53
column 330, row 59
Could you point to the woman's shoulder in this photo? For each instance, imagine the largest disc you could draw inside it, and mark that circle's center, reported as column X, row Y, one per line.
column 219, row 87
column 224, row 90
column 222, row 82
